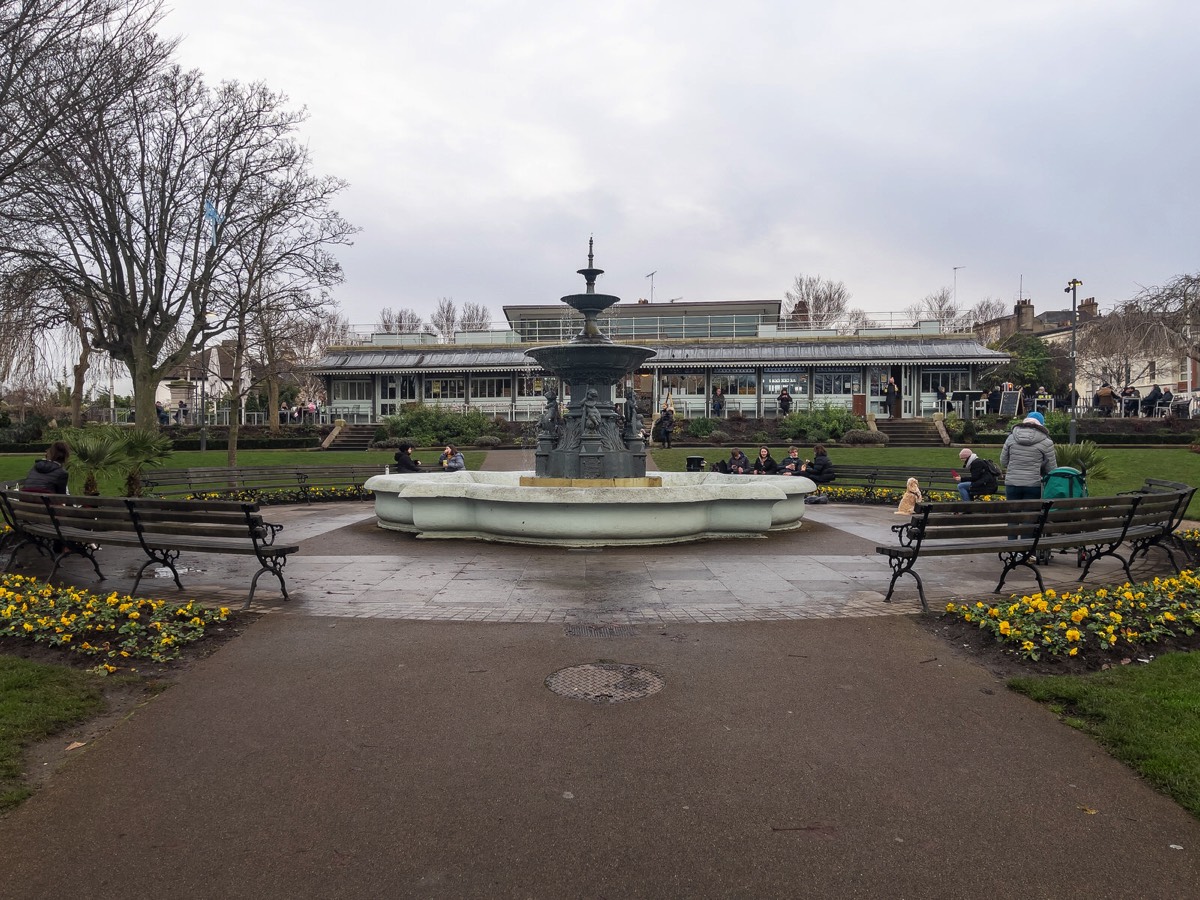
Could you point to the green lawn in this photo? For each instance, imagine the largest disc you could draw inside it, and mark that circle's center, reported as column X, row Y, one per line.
column 36, row 701
column 1128, row 467
column 1145, row 715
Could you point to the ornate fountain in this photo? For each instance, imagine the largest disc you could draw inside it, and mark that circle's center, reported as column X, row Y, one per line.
column 589, row 487
column 593, row 440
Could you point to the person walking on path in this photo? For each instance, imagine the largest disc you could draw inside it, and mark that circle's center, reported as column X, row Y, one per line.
column 982, row 480
column 1027, row 455
column 666, row 425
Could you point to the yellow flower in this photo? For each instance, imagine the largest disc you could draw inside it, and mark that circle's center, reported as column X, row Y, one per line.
column 1073, row 651
column 1073, row 634
column 1005, row 628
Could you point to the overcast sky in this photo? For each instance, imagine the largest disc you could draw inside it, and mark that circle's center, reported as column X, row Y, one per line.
column 730, row 147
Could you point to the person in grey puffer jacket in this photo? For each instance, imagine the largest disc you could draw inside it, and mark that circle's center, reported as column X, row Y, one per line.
column 49, row 475
column 1028, row 454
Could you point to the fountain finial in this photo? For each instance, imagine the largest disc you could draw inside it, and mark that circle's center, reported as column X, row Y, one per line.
column 591, row 272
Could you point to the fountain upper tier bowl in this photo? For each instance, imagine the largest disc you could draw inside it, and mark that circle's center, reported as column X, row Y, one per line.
column 494, row 506
column 598, row 363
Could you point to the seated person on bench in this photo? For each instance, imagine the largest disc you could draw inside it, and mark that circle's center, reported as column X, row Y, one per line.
column 981, row 482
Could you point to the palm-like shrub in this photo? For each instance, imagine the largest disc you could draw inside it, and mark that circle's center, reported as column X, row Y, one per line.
column 143, row 448
column 1084, row 456
column 97, row 453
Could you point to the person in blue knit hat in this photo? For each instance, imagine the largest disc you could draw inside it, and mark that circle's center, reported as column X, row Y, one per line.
column 1028, row 454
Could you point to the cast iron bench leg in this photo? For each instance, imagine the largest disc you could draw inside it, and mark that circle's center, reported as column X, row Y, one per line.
column 1014, row 558
column 901, row 565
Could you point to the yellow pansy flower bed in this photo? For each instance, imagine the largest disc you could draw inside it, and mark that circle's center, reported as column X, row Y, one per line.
column 1075, row 622
column 114, row 629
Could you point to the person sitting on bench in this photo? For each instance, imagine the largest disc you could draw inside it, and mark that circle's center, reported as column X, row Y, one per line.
column 982, row 480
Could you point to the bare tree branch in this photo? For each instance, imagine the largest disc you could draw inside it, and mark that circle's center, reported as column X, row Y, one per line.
column 815, row 302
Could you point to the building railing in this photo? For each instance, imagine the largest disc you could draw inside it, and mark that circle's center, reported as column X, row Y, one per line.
column 659, row 328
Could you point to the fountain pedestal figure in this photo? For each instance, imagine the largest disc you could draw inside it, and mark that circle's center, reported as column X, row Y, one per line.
column 588, row 441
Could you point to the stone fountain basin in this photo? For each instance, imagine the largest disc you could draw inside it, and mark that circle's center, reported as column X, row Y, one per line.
column 494, row 506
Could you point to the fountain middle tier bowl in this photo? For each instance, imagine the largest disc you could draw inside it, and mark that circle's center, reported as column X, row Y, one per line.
column 593, row 363
column 494, row 506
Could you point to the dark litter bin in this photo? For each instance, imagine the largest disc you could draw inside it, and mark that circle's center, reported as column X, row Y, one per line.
column 695, row 463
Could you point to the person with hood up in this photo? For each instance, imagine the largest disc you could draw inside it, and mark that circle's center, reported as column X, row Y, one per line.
column 49, row 475
column 981, row 480
column 1028, row 454
column 404, row 460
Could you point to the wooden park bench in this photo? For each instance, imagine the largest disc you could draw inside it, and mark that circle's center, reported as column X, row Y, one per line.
column 1017, row 531
column 256, row 483
column 59, row 525
column 875, row 480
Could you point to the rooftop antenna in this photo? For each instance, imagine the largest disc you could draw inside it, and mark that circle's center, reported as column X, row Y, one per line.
column 651, row 277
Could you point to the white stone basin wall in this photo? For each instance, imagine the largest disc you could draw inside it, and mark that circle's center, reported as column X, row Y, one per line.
column 494, row 506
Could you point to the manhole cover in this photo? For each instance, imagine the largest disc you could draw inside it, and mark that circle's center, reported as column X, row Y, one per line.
column 605, row 682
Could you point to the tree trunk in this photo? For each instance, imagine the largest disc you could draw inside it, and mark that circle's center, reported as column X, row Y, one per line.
column 145, row 385
column 273, row 404
column 80, row 370
column 235, row 392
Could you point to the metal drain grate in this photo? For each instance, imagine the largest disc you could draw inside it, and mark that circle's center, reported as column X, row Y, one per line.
column 605, row 682
column 578, row 630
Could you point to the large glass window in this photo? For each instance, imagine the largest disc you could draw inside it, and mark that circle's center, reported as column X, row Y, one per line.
column 491, row 388
column 351, row 389
column 735, row 383
column 682, row 385
column 795, row 382
column 952, row 379
column 445, row 388
column 826, row 383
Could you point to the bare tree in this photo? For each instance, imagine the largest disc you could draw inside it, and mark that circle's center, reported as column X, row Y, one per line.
column 117, row 217
column 815, row 302
column 287, row 260
column 1173, row 311
column 399, row 321
column 854, row 321
column 56, row 59
column 940, row 307
column 986, row 310
column 445, row 319
column 475, row 317
column 1120, row 347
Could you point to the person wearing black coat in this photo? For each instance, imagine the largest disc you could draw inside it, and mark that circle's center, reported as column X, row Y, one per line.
column 404, row 460
column 1150, row 401
column 820, row 469
column 49, row 475
column 980, row 480
column 764, row 464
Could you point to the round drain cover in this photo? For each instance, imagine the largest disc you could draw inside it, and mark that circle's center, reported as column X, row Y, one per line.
column 605, row 682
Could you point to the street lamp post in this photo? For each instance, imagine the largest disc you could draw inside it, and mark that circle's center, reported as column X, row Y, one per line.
column 1072, row 288
column 203, row 404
